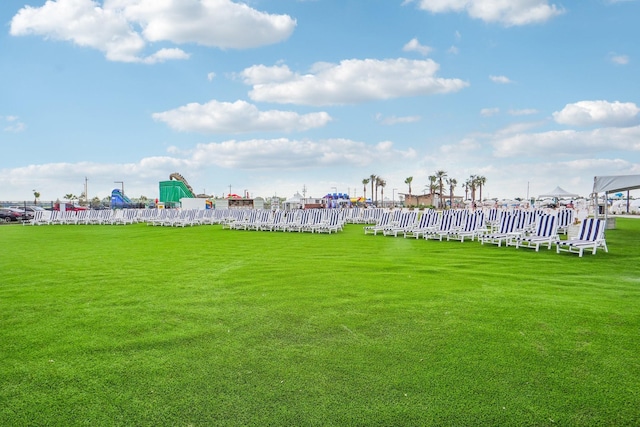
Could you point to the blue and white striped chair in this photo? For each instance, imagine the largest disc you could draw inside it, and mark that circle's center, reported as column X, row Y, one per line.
column 590, row 236
column 546, row 232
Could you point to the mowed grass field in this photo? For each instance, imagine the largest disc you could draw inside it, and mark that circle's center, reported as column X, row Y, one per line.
column 150, row 326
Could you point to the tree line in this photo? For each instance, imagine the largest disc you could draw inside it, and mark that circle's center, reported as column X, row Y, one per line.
column 436, row 185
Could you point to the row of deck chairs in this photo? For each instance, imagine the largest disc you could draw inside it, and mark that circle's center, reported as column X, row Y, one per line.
column 85, row 217
column 520, row 228
column 308, row 220
column 159, row 217
column 454, row 224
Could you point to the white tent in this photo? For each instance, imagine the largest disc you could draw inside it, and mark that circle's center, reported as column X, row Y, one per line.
column 559, row 193
column 613, row 184
column 293, row 203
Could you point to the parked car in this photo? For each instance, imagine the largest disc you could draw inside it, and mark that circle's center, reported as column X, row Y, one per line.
column 70, row 207
column 10, row 214
column 29, row 210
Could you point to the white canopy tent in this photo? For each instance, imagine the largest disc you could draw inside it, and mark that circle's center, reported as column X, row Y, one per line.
column 613, row 184
column 559, row 193
column 293, row 203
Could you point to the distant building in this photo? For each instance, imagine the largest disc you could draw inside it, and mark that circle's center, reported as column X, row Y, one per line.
column 431, row 199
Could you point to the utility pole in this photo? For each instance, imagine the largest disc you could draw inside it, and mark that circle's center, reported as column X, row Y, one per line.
column 86, row 195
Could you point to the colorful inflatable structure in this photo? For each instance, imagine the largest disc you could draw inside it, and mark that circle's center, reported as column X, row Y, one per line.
column 119, row 200
column 175, row 189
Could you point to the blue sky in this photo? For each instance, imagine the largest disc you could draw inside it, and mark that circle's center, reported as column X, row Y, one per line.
column 275, row 96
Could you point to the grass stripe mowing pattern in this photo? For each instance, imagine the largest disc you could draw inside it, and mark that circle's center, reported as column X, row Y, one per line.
column 137, row 325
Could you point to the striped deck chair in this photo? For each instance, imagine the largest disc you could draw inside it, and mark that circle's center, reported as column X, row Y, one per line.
column 428, row 222
column 524, row 222
column 220, row 216
column 444, row 227
column 492, row 218
column 239, row 217
column 302, row 219
column 372, row 215
column 171, row 216
column 590, row 236
column 473, row 223
column 565, row 219
column 67, row 217
column 263, row 217
column 460, row 216
column 186, row 217
column 93, row 217
column 80, row 217
column 504, row 233
column 407, row 221
column 332, row 224
column 272, row 222
column 291, row 217
column 383, row 222
column 353, row 215
column 254, row 220
column 158, row 219
column 546, row 232
column 313, row 219
column 39, row 218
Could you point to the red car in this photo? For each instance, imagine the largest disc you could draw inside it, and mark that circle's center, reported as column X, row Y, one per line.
column 70, row 207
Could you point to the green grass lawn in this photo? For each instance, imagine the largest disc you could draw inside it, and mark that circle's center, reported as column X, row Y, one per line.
column 149, row 326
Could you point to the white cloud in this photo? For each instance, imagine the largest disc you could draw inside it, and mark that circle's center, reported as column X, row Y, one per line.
column 466, row 146
column 568, row 142
column 262, row 165
column 619, row 59
column 220, row 23
column 237, row 117
column 587, row 113
column 500, row 79
column 523, row 112
column 285, row 154
column 211, row 76
column 351, row 81
column 13, row 124
column 516, row 128
column 414, row 45
column 453, row 50
column 115, row 27
column 506, row 12
column 165, row 54
column 393, row 120
column 488, row 112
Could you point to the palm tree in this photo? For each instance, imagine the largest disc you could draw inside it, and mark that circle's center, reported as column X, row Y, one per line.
column 378, row 181
column 466, row 187
column 452, row 185
column 36, row 195
column 480, row 181
column 408, row 181
column 382, row 183
column 440, row 176
column 473, row 183
column 364, row 183
column 432, row 187
column 372, row 179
